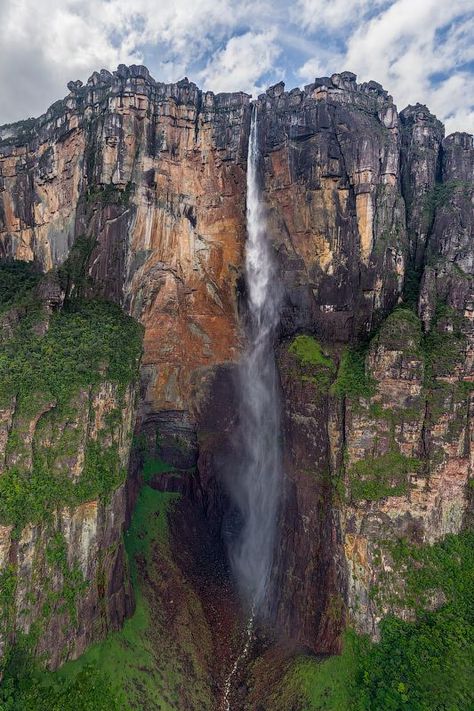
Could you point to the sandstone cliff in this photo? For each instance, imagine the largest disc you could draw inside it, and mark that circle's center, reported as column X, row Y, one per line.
column 67, row 411
column 370, row 213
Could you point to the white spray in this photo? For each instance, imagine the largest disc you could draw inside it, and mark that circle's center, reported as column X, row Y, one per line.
column 256, row 484
column 255, row 481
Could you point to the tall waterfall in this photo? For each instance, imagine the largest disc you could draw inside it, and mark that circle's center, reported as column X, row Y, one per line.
column 256, row 486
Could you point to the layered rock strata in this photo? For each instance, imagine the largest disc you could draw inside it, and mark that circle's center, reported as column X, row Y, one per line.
column 367, row 210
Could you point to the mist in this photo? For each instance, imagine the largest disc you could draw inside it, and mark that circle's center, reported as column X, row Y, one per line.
column 256, row 481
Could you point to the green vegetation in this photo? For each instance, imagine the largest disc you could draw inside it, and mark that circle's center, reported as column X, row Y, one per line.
column 32, row 496
column 427, row 665
column 440, row 349
column 374, row 478
column 8, row 581
column 17, row 281
column 145, row 665
column 51, row 367
column 444, row 344
column 73, row 276
column 48, row 365
column 85, row 345
column 411, row 286
column 25, row 688
column 74, row 583
column 110, row 194
column 396, row 415
column 312, row 365
column 127, row 658
column 154, row 466
column 437, row 354
column 441, row 195
column 309, row 352
column 352, row 379
column 309, row 685
column 119, row 673
column 401, row 330
column 447, row 565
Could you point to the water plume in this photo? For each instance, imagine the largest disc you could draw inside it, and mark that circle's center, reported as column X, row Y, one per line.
column 256, row 481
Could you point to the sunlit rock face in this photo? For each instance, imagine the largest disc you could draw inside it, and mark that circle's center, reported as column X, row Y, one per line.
column 367, row 209
column 156, row 174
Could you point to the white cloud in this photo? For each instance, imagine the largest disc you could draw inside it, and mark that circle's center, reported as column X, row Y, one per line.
column 323, row 65
column 242, row 62
column 334, row 14
column 45, row 43
column 450, row 101
column 235, row 45
column 409, row 42
column 403, row 46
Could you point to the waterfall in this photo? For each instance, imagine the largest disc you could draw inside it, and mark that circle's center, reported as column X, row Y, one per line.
column 256, row 482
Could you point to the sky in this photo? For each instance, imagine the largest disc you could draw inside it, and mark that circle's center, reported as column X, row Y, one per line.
column 419, row 50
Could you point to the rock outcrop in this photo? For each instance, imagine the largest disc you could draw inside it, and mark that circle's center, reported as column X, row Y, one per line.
column 370, row 213
column 154, row 173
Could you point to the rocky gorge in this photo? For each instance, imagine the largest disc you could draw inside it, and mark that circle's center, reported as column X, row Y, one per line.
column 122, row 243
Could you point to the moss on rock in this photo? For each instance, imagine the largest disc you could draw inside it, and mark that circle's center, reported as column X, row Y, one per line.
column 352, row 378
column 311, row 364
column 375, row 478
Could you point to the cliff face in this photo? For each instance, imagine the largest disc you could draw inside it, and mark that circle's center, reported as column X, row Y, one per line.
column 416, row 427
column 154, row 173
column 367, row 209
column 67, row 411
column 332, row 172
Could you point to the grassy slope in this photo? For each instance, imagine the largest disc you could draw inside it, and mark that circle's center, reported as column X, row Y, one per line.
column 145, row 664
column 127, row 657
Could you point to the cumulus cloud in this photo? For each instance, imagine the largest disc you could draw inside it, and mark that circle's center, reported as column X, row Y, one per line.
column 242, row 62
column 420, row 51
column 44, row 44
column 334, row 14
column 416, row 50
column 325, row 64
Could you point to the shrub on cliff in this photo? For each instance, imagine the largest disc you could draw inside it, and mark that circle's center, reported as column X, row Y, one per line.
column 352, row 378
column 374, row 478
column 17, row 281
